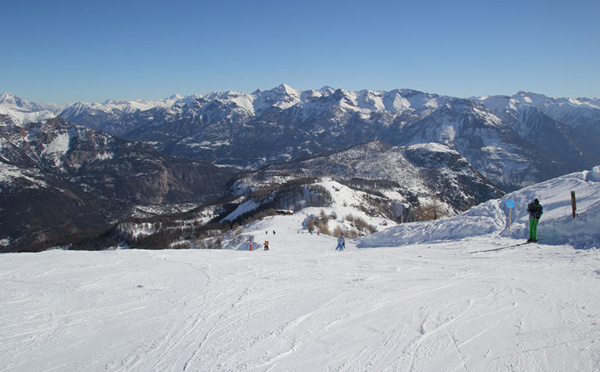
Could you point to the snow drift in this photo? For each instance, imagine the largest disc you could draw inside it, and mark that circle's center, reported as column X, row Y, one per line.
column 494, row 219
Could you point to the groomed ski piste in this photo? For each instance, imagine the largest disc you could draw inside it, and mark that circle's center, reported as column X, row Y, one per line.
column 456, row 294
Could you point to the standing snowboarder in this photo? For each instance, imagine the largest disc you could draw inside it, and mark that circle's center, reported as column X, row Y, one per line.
column 535, row 210
column 341, row 243
column 266, row 245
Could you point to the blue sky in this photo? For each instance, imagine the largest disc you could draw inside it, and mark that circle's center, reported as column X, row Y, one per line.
column 66, row 51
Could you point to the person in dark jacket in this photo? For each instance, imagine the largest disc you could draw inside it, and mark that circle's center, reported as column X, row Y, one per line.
column 535, row 210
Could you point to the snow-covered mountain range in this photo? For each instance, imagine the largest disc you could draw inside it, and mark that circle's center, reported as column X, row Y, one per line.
column 513, row 141
column 432, row 148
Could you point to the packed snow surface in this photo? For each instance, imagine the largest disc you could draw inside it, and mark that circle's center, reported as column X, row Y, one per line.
column 303, row 307
column 457, row 301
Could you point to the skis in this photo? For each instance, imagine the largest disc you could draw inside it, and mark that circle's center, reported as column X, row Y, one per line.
column 503, row 248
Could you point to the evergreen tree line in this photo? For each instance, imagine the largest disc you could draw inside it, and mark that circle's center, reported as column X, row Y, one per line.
column 373, row 187
column 178, row 237
column 293, row 195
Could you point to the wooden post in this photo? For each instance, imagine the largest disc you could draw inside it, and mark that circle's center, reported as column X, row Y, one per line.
column 573, row 203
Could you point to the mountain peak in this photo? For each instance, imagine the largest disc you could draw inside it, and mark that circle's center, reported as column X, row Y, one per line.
column 174, row 97
column 285, row 89
column 6, row 95
column 12, row 100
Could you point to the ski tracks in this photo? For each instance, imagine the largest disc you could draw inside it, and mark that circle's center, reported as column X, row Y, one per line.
column 421, row 309
column 172, row 333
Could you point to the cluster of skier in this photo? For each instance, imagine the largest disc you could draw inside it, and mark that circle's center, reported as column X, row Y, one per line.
column 534, row 208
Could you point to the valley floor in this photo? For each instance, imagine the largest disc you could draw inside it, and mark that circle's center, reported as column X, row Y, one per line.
column 302, row 306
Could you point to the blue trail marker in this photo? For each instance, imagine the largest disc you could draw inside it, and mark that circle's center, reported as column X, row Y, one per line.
column 510, row 204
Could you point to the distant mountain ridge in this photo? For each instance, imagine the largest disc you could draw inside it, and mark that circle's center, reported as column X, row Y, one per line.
column 514, row 141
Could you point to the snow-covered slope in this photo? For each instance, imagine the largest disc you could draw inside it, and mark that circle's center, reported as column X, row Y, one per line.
column 345, row 205
column 493, row 218
column 456, row 301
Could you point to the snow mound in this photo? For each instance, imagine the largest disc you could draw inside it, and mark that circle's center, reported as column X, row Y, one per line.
column 594, row 175
column 493, row 218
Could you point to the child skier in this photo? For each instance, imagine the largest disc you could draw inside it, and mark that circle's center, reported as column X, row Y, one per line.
column 341, row 243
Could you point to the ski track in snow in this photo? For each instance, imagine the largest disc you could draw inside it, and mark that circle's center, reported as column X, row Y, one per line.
column 303, row 307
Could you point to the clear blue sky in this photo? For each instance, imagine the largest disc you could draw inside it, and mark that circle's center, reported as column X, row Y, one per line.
column 65, row 51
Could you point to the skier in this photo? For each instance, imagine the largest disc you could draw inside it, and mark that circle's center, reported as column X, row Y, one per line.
column 266, row 245
column 341, row 243
column 535, row 210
